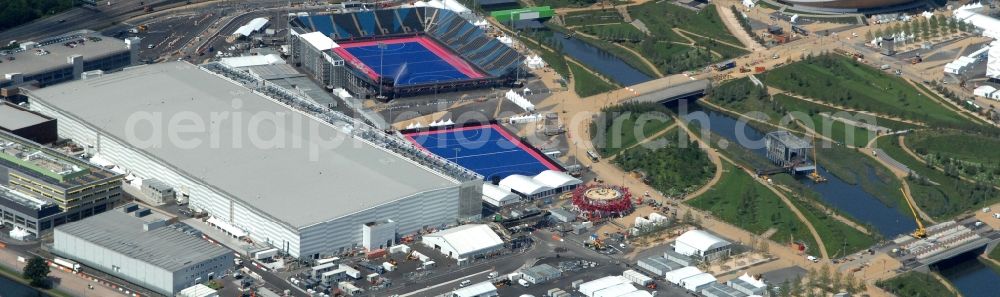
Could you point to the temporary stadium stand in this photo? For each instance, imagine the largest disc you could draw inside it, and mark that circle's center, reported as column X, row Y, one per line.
column 488, row 55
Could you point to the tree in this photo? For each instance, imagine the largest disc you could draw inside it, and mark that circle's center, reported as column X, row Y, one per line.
column 37, row 272
column 823, row 278
column 851, row 284
column 836, row 284
column 796, row 288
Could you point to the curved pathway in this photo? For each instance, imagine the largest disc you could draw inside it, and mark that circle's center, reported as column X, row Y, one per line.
column 900, row 175
column 902, row 144
column 732, row 23
column 775, row 91
column 711, row 152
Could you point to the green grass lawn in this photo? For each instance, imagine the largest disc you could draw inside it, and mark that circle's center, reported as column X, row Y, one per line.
column 612, row 137
column 565, row 3
column 767, row 5
column 913, row 284
column 794, row 104
column 743, row 202
column 940, row 196
column 670, row 169
column 743, row 96
column 672, row 58
column 727, row 52
column 839, row 238
column 974, row 156
column 842, row 81
column 964, row 146
column 839, row 131
column 587, row 84
column 661, row 16
column 614, row 32
column 593, row 17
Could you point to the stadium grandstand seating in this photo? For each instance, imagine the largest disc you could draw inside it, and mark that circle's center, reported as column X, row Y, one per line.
column 489, row 55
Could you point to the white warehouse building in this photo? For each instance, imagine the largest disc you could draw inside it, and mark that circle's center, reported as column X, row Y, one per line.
column 283, row 177
column 702, row 245
column 465, row 242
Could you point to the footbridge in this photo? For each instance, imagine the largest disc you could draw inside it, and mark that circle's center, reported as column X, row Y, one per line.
column 668, row 89
column 945, row 241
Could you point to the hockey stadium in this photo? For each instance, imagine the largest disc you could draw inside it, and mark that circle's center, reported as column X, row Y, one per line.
column 401, row 52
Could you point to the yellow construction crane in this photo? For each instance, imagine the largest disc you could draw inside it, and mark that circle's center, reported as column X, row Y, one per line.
column 920, row 232
column 815, row 174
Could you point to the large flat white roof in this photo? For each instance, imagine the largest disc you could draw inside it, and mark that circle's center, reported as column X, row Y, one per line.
column 468, row 238
column 13, row 118
column 320, row 41
column 29, row 62
column 304, row 181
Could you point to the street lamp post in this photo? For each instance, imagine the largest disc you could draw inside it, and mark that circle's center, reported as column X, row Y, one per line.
column 381, row 66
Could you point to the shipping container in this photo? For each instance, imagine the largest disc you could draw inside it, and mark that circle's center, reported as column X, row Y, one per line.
column 67, row 263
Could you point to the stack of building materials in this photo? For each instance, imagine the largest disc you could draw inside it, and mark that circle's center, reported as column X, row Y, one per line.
column 637, row 277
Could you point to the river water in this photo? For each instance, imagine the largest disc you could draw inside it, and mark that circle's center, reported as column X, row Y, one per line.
column 849, row 199
column 11, row 288
column 969, row 275
column 604, row 63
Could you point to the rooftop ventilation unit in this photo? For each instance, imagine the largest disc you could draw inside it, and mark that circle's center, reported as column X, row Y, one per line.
column 127, row 208
column 143, row 212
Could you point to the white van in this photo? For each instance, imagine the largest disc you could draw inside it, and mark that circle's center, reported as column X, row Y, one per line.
column 465, row 283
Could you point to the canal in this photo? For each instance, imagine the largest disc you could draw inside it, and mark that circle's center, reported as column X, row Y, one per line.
column 849, row 199
column 597, row 59
column 967, row 273
column 970, row 275
column 11, row 288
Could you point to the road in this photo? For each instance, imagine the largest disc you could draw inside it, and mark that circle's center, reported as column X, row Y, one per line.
column 65, row 281
column 86, row 17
